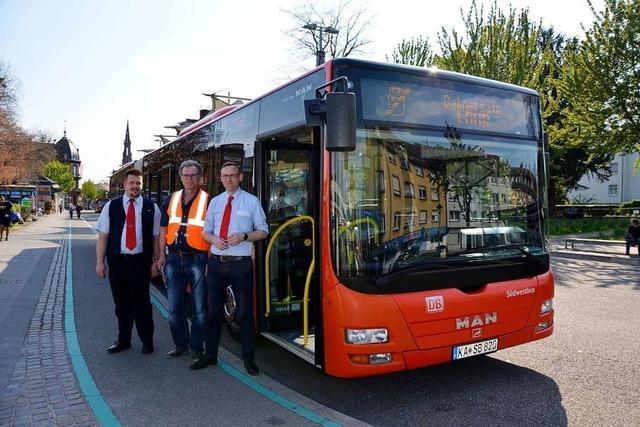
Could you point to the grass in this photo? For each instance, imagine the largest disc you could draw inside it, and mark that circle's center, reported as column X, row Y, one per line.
column 606, row 228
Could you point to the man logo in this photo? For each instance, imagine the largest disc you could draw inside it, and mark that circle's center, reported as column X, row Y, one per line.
column 476, row 333
column 435, row 304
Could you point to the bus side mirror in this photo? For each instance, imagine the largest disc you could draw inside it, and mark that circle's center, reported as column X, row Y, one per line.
column 338, row 112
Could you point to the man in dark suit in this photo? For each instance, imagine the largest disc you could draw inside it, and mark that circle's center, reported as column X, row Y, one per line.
column 128, row 237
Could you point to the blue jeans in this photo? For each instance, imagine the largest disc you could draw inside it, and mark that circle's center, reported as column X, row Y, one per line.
column 238, row 274
column 181, row 270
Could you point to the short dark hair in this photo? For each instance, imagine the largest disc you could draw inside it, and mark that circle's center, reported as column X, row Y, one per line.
column 134, row 171
column 225, row 164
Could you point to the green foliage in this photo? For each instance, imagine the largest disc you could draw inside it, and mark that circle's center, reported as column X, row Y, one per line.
column 608, row 228
column 499, row 46
column 48, row 205
column 89, row 190
column 416, row 51
column 631, row 204
column 605, row 79
column 60, row 173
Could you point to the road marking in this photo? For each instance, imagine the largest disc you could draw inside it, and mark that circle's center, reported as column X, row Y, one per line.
column 256, row 386
column 99, row 406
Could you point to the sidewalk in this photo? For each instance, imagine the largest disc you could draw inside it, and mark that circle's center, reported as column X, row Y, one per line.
column 593, row 252
column 54, row 369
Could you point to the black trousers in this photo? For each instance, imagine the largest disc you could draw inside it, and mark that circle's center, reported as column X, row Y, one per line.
column 129, row 277
column 238, row 275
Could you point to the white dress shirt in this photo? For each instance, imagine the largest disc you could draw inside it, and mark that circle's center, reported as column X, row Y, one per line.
column 103, row 224
column 246, row 216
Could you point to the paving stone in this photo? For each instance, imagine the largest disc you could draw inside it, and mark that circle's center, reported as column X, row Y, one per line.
column 42, row 389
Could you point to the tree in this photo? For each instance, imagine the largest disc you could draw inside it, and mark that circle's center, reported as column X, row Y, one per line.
column 350, row 21
column 89, row 190
column 510, row 47
column 604, row 84
column 60, row 173
column 416, row 51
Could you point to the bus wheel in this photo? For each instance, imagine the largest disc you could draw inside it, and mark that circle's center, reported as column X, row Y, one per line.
column 230, row 314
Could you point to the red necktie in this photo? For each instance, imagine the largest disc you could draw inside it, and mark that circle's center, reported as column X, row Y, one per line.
column 131, row 225
column 226, row 218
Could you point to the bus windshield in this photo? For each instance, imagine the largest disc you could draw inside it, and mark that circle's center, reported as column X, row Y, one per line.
column 423, row 209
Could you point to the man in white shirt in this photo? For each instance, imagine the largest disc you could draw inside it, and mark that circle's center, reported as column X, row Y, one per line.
column 235, row 219
column 128, row 230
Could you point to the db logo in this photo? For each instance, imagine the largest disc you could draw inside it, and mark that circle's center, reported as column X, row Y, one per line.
column 435, row 304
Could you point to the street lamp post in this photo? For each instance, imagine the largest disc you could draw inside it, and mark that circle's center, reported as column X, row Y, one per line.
column 313, row 27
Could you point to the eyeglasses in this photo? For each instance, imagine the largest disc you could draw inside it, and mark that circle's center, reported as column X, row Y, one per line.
column 231, row 175
column 189, row 175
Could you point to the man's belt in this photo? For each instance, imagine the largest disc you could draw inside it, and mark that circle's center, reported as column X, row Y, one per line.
column 230, row 258
column 184, row 253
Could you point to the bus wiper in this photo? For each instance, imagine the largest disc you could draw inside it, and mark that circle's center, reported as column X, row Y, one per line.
column 517, row 246
column 385, row 278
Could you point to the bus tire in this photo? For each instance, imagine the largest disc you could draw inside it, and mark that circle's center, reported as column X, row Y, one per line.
column 230, row 314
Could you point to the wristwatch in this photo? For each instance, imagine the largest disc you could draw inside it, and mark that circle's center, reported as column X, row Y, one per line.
column 246, row 237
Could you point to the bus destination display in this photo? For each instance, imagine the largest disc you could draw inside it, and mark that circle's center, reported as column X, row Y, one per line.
column 501, row 111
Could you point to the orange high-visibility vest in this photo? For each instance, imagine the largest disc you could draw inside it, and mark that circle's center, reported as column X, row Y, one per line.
column 195, row 223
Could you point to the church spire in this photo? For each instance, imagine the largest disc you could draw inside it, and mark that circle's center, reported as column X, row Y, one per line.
column 126, row 154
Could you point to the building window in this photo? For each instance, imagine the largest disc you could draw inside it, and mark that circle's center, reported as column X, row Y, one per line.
column 614, row 168
column 395, row 182
column 422, row 192
column 613, row 190
column 396, row 221
column 435, row 216
column 434, row 194
column 404, row 164
column 409, row 219
column 454, row 216
column 381, row 182
column 422, row 219
column 409, row 190
column 382, row 224
column 419, row 171
column 392, row 158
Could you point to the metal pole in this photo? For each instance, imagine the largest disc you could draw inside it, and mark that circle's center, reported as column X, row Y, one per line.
column 320, row 51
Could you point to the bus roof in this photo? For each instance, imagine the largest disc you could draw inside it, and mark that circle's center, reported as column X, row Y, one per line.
column 329, row 65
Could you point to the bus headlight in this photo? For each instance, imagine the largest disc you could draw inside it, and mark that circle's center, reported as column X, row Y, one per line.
column 547, row 306
column 366, row 336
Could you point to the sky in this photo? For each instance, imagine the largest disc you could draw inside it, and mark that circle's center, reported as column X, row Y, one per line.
column 96, row 64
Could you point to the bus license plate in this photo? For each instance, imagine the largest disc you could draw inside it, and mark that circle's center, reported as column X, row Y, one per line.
column 469, row 350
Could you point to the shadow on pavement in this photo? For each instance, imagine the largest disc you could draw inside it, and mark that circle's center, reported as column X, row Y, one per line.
column 477, row 391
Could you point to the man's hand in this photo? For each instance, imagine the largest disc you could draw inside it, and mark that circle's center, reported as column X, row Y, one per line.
column 235, row 239
column 220, row 243
column 155, row 271
column 101, row 269
column 161, row 261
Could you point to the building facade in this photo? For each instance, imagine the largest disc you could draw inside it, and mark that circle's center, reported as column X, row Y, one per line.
column 623, row 185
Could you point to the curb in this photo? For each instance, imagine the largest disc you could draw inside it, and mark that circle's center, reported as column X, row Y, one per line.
column 591, row 256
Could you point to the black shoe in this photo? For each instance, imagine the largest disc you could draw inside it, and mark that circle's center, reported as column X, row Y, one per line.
column 203, row 362
column 147, row 349
column 176, row 352
column 117, row 347
column 251, row 368
column 196, row 355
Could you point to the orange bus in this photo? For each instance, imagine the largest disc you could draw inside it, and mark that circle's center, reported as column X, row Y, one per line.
column 407, row 209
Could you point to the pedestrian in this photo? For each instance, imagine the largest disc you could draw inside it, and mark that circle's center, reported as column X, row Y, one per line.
column 181, row 227
column 234, row 221
column 5, row 217
column 632, row 238
column 78, row 210
column 60, row 207
column 71, row 208
column 128, row 230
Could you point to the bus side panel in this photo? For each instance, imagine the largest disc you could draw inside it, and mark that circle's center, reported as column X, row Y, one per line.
column 344, row 308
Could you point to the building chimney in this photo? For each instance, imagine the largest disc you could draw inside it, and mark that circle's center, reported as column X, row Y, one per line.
column 204, row 112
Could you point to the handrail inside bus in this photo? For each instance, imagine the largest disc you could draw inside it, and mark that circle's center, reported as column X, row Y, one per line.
column 348, row 228
column 305, row 302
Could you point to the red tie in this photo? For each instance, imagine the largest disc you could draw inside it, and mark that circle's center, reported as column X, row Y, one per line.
column 226, row 218
column 131, row 225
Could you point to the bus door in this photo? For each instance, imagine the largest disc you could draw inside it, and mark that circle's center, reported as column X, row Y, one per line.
column 289, row 253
